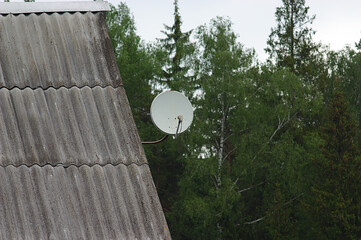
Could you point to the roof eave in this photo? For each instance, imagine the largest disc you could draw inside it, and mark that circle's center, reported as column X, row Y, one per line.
column 51, row 7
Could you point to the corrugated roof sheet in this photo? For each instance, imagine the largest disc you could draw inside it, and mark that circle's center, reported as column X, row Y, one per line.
column 67, row 125
column 71, row 162
column 99, row 202
column 55, row 50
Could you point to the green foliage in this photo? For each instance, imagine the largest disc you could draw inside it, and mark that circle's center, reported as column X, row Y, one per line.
column 134, row 60
column 345, row 70
column 251, row 165
column 290, row 43
column 177, row 50
column 283, row 146
column 246, row 151
column 139, row 67
column 337, row 203
column 207, row 192
column 350, row 74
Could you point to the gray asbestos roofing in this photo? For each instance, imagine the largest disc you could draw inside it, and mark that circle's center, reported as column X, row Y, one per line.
column 56, row 49
column 71, row 162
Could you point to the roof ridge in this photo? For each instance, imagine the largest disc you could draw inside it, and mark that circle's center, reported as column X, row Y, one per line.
column 62, row 86
column 40, row 7
column 73, row 165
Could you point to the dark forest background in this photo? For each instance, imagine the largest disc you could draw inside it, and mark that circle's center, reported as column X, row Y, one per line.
column 274, row 148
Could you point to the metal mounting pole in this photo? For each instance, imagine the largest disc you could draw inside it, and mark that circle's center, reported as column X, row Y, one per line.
column 157, row 141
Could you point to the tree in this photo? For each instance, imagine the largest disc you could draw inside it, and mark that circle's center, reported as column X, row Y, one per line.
column 177, row 50
column 336, row 206
column 276, row 155
column 358, row 45
column 247, row 158
column 206, row 195
column 349, row 74
column 134, row 60
column 139, row 66
column 290, row 44
column 344, row 67
column 171, row 54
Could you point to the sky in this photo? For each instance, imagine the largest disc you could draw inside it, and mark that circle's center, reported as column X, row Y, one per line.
column 337, row 23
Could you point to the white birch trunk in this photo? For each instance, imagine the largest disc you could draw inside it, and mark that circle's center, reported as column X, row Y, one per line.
column 221, row 151
column 220, row 161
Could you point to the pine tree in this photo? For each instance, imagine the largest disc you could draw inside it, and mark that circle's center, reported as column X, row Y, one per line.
column 290, row 44
column 337, row 193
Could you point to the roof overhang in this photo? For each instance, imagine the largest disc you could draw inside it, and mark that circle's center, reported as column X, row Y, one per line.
column 51, row 7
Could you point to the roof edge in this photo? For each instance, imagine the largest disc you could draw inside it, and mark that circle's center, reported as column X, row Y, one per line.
column 51, row 7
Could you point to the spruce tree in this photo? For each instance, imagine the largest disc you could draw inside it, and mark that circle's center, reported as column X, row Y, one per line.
column 350, row 74
column 138, row 67
column 178, row 49
column 337, row 194
column 168, row 164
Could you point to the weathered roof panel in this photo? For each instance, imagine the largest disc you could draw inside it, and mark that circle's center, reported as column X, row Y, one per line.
column 39, row 7
column 55, row 50
column 71, row 162
column 73, row 126
column 99, row 202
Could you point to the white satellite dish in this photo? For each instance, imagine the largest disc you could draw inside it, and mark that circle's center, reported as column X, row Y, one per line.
column 171, row 112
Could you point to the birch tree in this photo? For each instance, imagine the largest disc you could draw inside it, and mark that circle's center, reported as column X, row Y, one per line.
column 247, row 122
column 220, row 71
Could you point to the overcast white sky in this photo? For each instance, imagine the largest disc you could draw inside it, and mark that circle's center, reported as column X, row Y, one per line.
column 338, row 22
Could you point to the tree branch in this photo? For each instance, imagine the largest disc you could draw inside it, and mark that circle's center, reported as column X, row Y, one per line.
column 251, row 187
column 255, row 221
column 260, row 219
column 281, row 124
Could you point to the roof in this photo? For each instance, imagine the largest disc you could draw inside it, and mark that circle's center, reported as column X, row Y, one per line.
column 71, row 161
column 53, row 50
column 40, row 7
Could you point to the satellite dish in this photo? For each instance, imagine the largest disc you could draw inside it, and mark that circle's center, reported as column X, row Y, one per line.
column 171, row 112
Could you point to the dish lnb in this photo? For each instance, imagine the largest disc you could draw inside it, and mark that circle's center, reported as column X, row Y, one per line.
column 171, row 112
